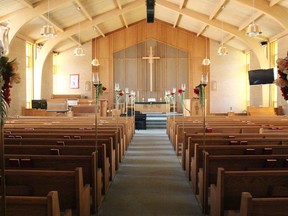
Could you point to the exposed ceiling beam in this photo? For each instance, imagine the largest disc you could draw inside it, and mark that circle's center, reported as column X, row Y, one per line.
column 178, row 18
column 25, row 38
column 247, row 22
column 276, row 12
column 20, row 17
column 233, row 30
column 278, row 36
column 203, row 28
column 182, row 4
column 227, row 39
column 52, row 42
column 75, row 41
column 217, row 9
column 124, row 20
column 26, row 3
column 99, row 30
column 83, row 10
column 52, row 23
column 122, row 17
column 117, row 2
column 273, row 2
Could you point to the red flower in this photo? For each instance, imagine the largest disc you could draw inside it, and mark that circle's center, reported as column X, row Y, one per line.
column 121, row 94
column 180, row 91
column 104, row 88
column 172, row 93
column 196, row 91
column 130, row 96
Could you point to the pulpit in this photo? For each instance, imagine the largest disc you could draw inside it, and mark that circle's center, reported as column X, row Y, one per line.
column 192, row 107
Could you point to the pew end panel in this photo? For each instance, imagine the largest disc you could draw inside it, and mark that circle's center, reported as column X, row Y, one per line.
column 263, row 206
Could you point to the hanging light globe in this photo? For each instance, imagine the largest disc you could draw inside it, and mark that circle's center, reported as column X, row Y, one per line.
column 95, row 62
column 79, row 51
column 222, row 50
column 206, row 61
column 48, row 31
column 253, row 30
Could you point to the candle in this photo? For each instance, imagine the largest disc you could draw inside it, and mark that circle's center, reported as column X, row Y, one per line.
column 204, row 79
column 183, row 86
column 95, row 78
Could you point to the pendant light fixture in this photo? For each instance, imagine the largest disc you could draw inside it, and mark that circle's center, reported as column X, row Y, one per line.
column 79, row 51
column 48, row 30
column 206, row 61
column 95, row 61
column 253, row 29
column 222, row 50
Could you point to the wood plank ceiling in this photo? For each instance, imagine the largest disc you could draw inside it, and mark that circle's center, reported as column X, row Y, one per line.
column 215, row 19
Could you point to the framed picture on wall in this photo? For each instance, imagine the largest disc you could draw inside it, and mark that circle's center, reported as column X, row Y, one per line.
column 74, row 81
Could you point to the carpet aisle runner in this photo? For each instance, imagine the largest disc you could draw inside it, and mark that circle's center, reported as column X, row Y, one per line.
column 150, row 180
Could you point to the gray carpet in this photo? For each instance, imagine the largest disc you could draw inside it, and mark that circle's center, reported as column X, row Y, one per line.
column 150, row 181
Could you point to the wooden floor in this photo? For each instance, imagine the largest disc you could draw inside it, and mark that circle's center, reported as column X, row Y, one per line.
column 150, row 181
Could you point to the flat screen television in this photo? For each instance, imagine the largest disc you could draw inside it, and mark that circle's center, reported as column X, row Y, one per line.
column 261, row 76
column 39, row 104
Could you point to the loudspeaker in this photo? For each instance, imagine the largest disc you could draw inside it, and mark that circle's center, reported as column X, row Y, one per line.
column 150, row 5
column 263, row 43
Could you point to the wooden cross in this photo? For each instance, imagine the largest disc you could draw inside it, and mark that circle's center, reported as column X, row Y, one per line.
column 150, row 59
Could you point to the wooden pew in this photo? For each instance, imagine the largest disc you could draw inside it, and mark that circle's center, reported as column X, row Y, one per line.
column 196, row 162
column 88, row 163
column 109, row 144
column 267, row 206
column 35, row 205
column 234, row 140
column 72, row 192
column 72, row 134
column 208, row 175
column 226, row 195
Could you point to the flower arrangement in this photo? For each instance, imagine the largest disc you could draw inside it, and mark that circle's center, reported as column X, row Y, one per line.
column 119, row 93
column 282, row 82
column 200, row 92
column 170, row 96
column 8, row 76
column 100, row 90
column 132, row 96
column 181, row 93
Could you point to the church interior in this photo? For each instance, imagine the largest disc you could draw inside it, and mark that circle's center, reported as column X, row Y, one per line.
column 143, row 107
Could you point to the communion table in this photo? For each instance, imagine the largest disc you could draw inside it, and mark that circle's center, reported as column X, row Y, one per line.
column 152, row 107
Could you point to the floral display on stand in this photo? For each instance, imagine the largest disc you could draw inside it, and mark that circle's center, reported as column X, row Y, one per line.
column 199, row 91
column 181, row 93
column 132, row 97
column 170, row 96
column 119, row 94
column 167, row 96
column 8, row 76
column 100, row 90
column 282, row 81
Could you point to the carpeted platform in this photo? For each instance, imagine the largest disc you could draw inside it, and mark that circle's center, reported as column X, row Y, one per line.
column 150, row 181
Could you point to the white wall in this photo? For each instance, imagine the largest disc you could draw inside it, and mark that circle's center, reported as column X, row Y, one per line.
column 229, row 73
column 70, row 64
column 18, row 91
column 47, row 78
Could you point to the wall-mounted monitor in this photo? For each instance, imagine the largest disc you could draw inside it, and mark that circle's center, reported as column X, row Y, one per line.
column 261, row 76
column 39, row 104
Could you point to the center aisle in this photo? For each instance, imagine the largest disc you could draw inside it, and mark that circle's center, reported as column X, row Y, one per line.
column 150, row 180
